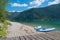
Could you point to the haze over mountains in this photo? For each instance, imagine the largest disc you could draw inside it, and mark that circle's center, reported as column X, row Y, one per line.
column 50, row 13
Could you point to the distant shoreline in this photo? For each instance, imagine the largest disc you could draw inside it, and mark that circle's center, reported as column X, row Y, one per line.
column 45, row 25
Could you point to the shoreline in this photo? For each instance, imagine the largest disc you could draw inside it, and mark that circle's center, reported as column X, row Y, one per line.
column 19, row 31
column 46, row 26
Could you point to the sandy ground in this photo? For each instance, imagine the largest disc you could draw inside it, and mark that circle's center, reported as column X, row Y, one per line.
column 18, row 29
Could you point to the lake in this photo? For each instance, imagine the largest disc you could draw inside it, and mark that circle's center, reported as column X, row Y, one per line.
column 45, row 24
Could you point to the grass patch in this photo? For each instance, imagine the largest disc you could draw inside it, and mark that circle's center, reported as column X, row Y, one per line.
column 3, row 29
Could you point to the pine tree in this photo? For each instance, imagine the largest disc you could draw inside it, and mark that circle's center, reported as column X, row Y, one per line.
column 3, row 28
column 3, row 4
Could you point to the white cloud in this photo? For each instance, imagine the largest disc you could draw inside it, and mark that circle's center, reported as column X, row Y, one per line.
column 18, row 5
column 12, row 11
column 54, row 2
column 36, row 3
column 18, row 11
column 30, row 7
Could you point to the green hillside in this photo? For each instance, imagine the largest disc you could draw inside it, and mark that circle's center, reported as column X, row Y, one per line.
column 50, row 13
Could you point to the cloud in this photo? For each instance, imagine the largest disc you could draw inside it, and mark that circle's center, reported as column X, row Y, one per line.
column 12, row 11
column 18, row 5
column 36, row 3
column 54, row 2
column 18, row 11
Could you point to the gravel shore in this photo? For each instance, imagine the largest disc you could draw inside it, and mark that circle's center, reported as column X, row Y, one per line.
column 18, row 29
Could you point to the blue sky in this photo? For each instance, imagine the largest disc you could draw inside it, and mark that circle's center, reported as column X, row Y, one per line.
column 21, row 5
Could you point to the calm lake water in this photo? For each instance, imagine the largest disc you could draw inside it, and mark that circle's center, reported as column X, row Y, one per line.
column 45, row 24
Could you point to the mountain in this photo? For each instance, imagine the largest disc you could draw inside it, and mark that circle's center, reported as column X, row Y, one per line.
column 49, row 13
